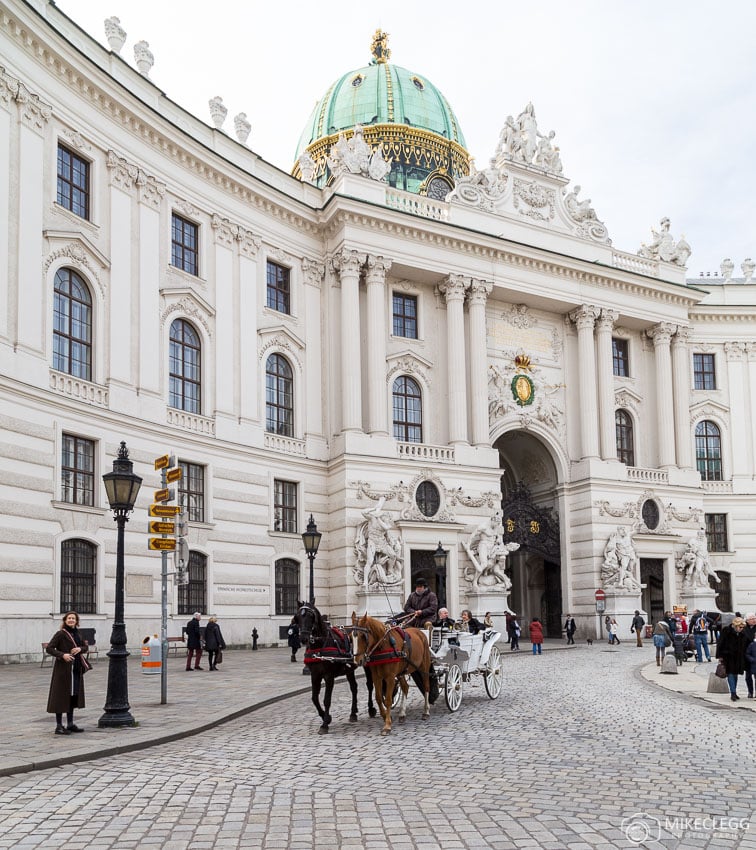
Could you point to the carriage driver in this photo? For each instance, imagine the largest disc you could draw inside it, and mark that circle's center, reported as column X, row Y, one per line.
column 422, row 603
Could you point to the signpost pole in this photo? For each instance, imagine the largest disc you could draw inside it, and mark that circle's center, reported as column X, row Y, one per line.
column 163, row 616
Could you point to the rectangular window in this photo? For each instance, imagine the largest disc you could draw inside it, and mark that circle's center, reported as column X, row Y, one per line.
column 191, row 491
column 285, row 506
column 77, row 470
column 287, row 586
column 78, row 576
column 184, row 245
column 704, row 376
column 73, row 182
column 278, row 288
column 620, row 358
column 716, row 532
column 405, row 315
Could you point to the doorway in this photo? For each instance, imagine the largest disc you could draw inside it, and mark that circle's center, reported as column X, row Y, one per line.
column 423, row 565
column 652, row 575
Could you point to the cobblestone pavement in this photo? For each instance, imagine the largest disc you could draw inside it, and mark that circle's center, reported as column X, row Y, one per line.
column 577, row 743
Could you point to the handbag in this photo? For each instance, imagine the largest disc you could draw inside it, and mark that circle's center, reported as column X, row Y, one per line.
column 667, row 640
column 721, row 671
column 219, row 657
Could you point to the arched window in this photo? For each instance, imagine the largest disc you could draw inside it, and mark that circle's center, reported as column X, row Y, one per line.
column 72, row 325
column 408, row 410
column 185, row 372
column 623, row 426
column 279, row 396
column 287, row 586
column 193, row 596
column 709, row 451
column 78, row 576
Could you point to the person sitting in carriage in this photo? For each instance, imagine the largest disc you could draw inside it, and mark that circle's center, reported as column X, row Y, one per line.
column 422, row 603
column 471, row 624
column 444, row 621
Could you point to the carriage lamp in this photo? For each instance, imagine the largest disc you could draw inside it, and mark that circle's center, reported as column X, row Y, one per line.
column 311, row 540
column 439, row 557
column 122, row 487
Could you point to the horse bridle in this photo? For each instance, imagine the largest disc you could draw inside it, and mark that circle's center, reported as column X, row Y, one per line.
column 313, row 638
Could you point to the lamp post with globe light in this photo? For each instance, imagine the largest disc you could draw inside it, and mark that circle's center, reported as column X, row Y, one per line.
column 122, row 487
column 311, row 540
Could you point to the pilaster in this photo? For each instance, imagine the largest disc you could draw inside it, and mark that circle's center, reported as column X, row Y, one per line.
column 585, row 318
column 453, row 289
column 661, row 335
column 375, row 280
column 681, row 389
column 477, row 296
column 349, row 264
column 607, row 429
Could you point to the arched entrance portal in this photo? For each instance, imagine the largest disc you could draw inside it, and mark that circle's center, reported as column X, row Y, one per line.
column 530, row 518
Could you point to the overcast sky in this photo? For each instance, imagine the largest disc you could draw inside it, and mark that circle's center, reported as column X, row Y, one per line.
column 653, row 103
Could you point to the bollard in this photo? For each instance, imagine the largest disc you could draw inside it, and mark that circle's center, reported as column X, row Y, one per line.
column 669, row 665
column 254, row 639
column 152, row 655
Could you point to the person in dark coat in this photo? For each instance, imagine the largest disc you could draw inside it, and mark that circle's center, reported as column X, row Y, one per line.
column 67, row 683
column 751, row 662
column 294, row 642
column 731, row 650
column 423, row 603
column 468, row 623
column 214, row 642
column 569, row 629
column 513, row 632
column 536, row 635
column 194, row 642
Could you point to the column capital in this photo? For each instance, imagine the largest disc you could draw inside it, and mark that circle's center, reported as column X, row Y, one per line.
column 348, row 261
column 377, row 267
column 454, row 287
column 585, row 316
column 151, row 191
column 123, row 173
column 682, row 336
column 607, row 319
column 479, row 291
column 313, row 271
column 735, row 350
column 661, row 334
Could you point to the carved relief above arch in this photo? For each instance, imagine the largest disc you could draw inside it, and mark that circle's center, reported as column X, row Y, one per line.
column 407, row 363
column 282, row 340
column 189, row 305
column 411, row 511
column 627, row 400
column 76, row 252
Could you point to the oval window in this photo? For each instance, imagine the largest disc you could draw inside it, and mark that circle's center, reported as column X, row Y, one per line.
column 428, row 498
column 650, row 514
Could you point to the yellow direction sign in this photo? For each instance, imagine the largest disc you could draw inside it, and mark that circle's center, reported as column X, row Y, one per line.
column 164, row 510
column 173, row 475
column 163, row 495
column 162, row 462
column 157, row 527
column 161, row 544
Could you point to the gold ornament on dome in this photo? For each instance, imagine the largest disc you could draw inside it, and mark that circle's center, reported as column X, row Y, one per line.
column 379, row 47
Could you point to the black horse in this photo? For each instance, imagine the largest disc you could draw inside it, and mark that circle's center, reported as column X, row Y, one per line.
column 328, row 654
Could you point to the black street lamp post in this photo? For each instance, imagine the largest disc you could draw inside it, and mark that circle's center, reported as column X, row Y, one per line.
column 311, row 541
column 439, row 557
column 122, row 487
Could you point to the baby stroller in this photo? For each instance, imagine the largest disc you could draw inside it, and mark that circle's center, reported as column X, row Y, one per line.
column 690, row 646
column 678, row 645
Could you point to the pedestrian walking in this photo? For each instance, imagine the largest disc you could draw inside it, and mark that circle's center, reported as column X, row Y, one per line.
column 614, row 632
column 536, row 635
column 214, row 643
column 750, row 632
column 607, row 626
column 731, row 650
column 194, row 642
column 637, row 627
column 68, row 648
column 662, row 638
column 569, row 629
column 699, row 626
column 293, row 641
column 513, row 632
column 750, row 664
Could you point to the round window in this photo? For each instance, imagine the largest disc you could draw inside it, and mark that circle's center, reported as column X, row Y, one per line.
column 650, row 514
column 428, row 498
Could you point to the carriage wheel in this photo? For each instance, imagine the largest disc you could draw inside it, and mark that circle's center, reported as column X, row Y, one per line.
column 492, row 677
column 453, row 687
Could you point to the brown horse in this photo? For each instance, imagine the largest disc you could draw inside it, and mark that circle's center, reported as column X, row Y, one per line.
column 390, row 651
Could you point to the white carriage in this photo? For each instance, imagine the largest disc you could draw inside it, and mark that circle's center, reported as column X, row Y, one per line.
column 459, row 657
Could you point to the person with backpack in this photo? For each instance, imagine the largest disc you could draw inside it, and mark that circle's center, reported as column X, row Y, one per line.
column 699, row 625
column 637, row 627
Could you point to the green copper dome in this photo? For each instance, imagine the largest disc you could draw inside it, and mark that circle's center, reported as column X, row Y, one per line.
column 401, row 110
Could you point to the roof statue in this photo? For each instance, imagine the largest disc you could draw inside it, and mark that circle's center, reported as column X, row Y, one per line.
column 218, row 111
column 379, row 47
column 747, row 267
column 307, row 167
column 727, row 267
column 583, row 214
column 242, row 127
column 520, row 141
column 480, row 188
column 355, row 156
column 115, row 34
column 663, row 246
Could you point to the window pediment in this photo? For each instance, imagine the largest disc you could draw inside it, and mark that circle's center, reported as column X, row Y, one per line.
column 189, row 304
column 79, row 251
column 281, row 338
column 409, row 363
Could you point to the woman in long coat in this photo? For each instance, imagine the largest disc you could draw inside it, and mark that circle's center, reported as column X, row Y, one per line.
column 293, row 641
column 214, row 642
column 536, row 635
column 731, row 650
column 67, row 683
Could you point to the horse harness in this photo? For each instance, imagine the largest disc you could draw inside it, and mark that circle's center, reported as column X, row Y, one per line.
column 375, row 656
column 332, row 646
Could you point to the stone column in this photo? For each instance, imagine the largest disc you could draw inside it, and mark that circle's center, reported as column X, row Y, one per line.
column 681, row 389
column 453, row 289
column 349, row 264
column 740, row 409
column 375, row 279
column 477, row 295
column 607, row 430
column 312, row 274
column 661, row 334
column 751, row 357
column 584, row 318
